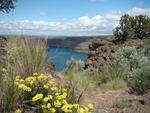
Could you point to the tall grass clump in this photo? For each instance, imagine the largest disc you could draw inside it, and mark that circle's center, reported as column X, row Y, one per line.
column 76, row 80
column 8, row 94
column 26, row 55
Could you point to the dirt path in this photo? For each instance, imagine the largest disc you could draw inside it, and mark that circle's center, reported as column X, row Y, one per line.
column 103, row 102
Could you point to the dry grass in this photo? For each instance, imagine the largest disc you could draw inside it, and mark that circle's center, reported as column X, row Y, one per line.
column 27, row 55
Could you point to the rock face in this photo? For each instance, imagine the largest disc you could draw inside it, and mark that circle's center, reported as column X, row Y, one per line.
column 3, row 52
column 100, row 52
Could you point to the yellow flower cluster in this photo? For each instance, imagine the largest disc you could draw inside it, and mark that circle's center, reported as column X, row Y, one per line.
column 24, row 87
column 49, row 98
column 37, row 97
column 3, row 70
column 41, row 77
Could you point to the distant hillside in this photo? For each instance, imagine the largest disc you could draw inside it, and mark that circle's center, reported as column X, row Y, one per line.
column 77, row 43
column 80, row 44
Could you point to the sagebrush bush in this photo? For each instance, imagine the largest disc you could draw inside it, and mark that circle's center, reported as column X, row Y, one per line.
column 139, row 80
column 134, row 67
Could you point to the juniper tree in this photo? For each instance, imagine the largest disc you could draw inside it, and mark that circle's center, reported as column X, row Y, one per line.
column 7, row 5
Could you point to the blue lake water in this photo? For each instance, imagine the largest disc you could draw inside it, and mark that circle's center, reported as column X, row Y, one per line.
column 59, row 56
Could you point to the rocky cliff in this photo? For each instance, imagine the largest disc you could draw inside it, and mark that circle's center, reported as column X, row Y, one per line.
column 3, row 52
column 100, row 52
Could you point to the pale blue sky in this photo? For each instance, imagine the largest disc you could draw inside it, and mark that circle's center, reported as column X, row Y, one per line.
column 69, row 17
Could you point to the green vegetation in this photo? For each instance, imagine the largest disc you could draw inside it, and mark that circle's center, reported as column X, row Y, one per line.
column 133, row 27
column 8, row 95
column 139, row 80
column 41, row 92
column 135, row 68
column 116, row 84
column 76, row 78
column 29, row 91
column 122, row 104
column 7, row 5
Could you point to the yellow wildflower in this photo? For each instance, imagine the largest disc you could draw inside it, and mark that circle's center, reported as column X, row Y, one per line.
column 52, row 110
column 64, row 90
column 48, row 105
column 76, row 106
column 49, row 97
column 46, row 86
column 43, row 106
column 24, row 87
column 64, row 102
column 86, row 110
column 37, row 97
column 66, row 108
column 57, row 103
column 3, row 70
column 80, row 110
column 52, row 82
column 35, row 74
column 17, row 77
column 54, row 89
column 42, row 77
column 29, row 79
column 21, row 80
column 64, row 95
column 90, row 106
column 18, row 111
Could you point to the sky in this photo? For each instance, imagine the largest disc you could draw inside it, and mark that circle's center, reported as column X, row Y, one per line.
column 69, row 17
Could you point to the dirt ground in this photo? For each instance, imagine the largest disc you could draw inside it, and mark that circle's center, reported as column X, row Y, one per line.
column 103, row 102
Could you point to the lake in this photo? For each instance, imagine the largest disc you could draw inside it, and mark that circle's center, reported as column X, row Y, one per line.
column 59, row 56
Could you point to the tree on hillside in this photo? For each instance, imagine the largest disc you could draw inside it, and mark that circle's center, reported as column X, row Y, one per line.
column 7, row 5
column 132, row 27
column 123, row 30
column 141, row 26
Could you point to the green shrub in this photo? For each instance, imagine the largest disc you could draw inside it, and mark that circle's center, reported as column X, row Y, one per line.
column 122, row 104
column 134, row 66
column 139, row 80
column 122, row 62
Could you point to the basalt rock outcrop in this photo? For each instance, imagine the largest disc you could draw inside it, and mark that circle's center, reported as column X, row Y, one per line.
column 101, row 50
column 3, row 51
